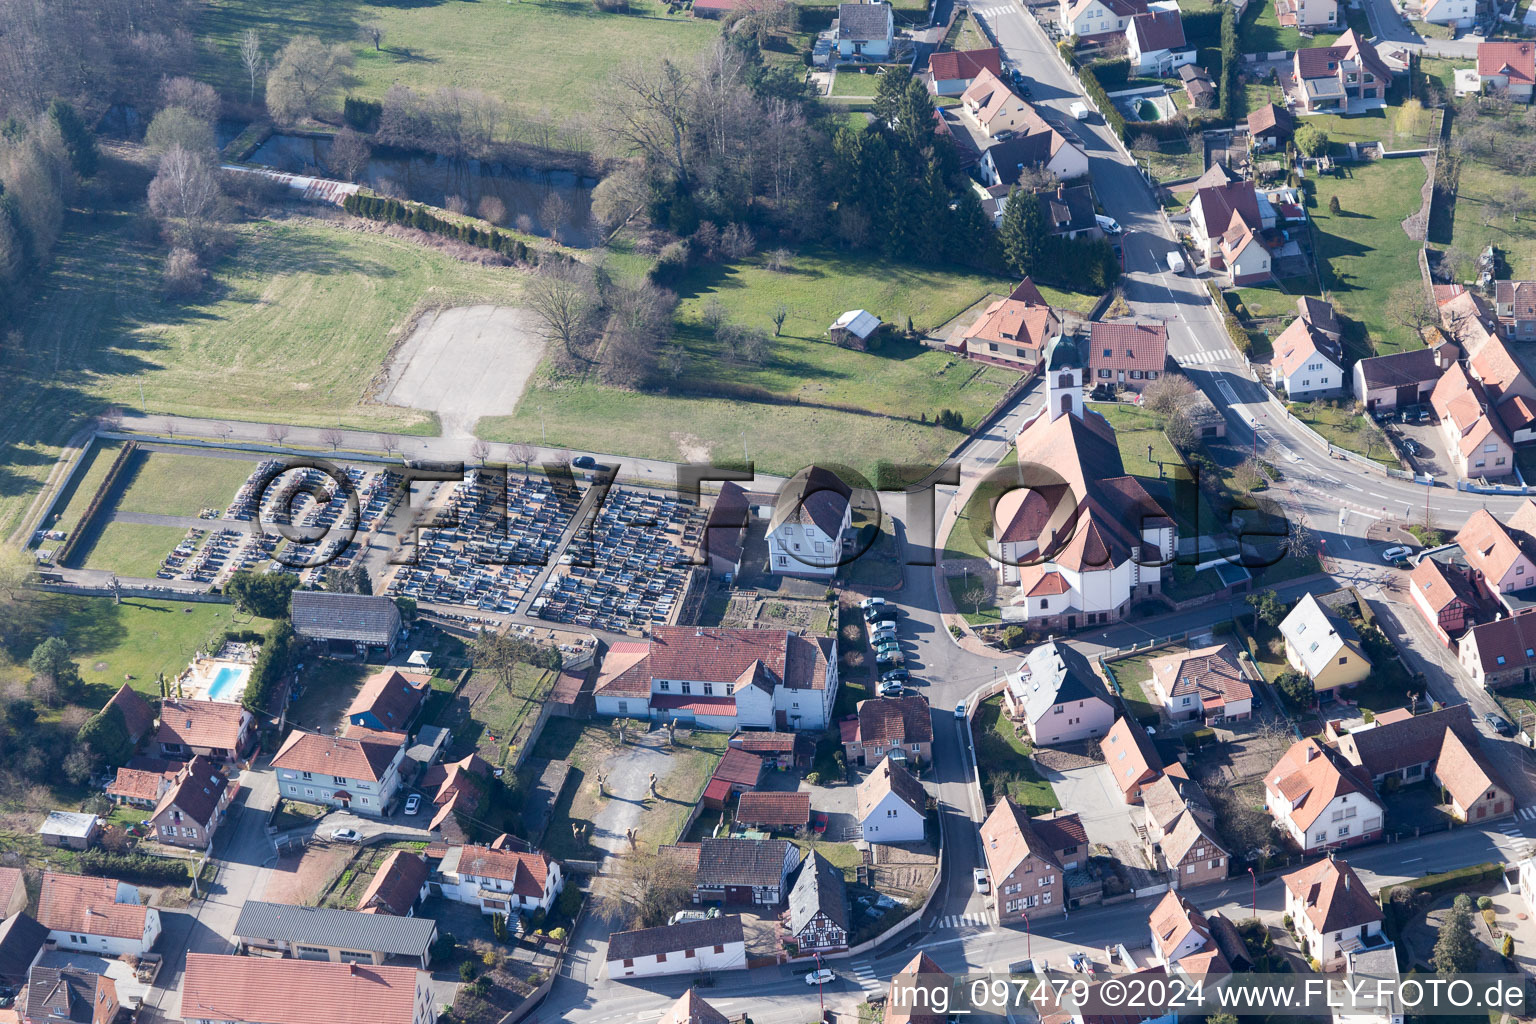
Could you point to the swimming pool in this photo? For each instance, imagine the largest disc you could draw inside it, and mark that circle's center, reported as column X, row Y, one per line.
column 227, row 681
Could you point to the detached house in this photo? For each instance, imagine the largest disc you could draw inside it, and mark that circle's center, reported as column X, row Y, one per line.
column 1270, row 127
column 724, row 679
column 1507, row 66
column 1441, row 746
column 1322, row 645
column 692, row 947
column 1332, row 910
column 1478, row 443
column 339, row 771
column 1013, row 332
column 192, row 806
column 1308, row 14
column 1207, row 683
column 901, row 727
column 1344, row 78
column 1501, row 652
column 1156, row 45
column 388, row 701
column 1027, row 880
column 501, row 881
column 1320, row 800
column 892, row 806
column 865, row 30
column 736, row 871
column 818, row 907
column 952, row 71
column 1094, row 18
column 214, row 729
column 809, row 528
column 1452, row 13
column 1307, row 360
column 1126, row 356
column 1214, row 205
column 1514, row 302
column 996, row 109
column 96, row 915
column 1500, row 562
column 55, row 995
column 220, row 989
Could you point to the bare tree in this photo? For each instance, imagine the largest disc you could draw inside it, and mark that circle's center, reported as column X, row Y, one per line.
column 251, row 59
column 1167, row 394
column 333, row 437
column 373, row 33
column 521, row 453
column 652, row 102
column 349, row 155
column 390, row 443
column 552, row 214
column 111, row 418
column 974, row 595
column 456, row 204
column 277, row 433
column 480, row 450
column 780, row 314
column 1410, row 307
column 306, row 79
column 190, row 94
column 185, row 193
column 648, row 892
column 491, row 210
column 561, row 294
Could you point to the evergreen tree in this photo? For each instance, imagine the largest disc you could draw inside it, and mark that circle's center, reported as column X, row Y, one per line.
column 1023, row 232
column 1455, row 949
column 1228, row 84
column 78, row 138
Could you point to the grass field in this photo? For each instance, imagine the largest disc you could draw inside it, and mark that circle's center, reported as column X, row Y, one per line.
column 129, row 549
column 854, row 84
column 137, row 638
column 815, row 381
column 172, row 484
column 299, row 322
column 1278, row 300
column 1002, row 756
column 1261, row 31
column 1343, row 428
column 87, row 479
column 1483, row 219
column 1136, row 430
column 544, row 58
column 1363, row 253
column 1405, row 126
column 1134, row 674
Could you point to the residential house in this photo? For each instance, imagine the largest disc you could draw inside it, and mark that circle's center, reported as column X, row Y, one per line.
column 189, row 812
column 996, row 109
column 346, row 623
column 138, row 714
column 215, row 729
column 1214, row 206
column 72, row 994
column 854, row 329
column 501, row 881
column 1321, row 644
column 899, row 726
column 1305, row 365
column 725, row 530
column 1514, row 302
column 326, row 933
column 1478, row 443
column 261, row 990
column 774, row 811
column 1027, row 880
column 22, row 942
column 1500, row 562
column 1062, row 833
column 891, row 805
column 1198, row 86
column 952, row 71
column 1332, row 909
column 142, row 786
column 1320, row 800
column 1345, row 78
column 736, row 773
column 1443, row 595
column 97, row 915
column 1308, row 14
column 1499, row 372
column 1083, row 553
column 389, row 701
column 865, row 31
column 1206, row 683
column 818, row 919
column 737, row 871
column 1013, row 332
column 1190, row 853
column 1387, row 382
column 913, row 997
column 691, row 947
column 1243, row 257
column 1270, row 127
column 691, row 1008
column 339, row 771
column 1091, row 19
column 1500, row 653
column 1507, row 66
column 70, row 830
column 1068, row 212
column 1178, row 930
column 780, row 750
column 13, row 892
column 724, row 679
column 1130, row 757
column 1058, row 697
column 399, row 884
column 1451, row 13
column 1031, row 142
column 1400, row 748
column 1155, row 43
column 1126, row 356
column 809, row 529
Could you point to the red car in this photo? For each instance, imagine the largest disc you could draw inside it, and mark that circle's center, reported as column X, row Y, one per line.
column 819, row 821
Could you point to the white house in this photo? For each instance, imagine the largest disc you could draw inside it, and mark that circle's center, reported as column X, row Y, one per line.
column 1506, row 66
column 865, row 30
column 1301, row 366
column 339, row 771
column 1098, row 17
column 501, row 881
column 1453, row 13
column 1156, row 45
column 809, row 525
column 97, row 915
column 892, row 805
column 691, row 947
column 1178, row 929
column 1080, row 554
column 1055, row 692
column 1320, row 800
column 722, row 679
column 1206, row 683
column 1332, row 909
column 1032, row 145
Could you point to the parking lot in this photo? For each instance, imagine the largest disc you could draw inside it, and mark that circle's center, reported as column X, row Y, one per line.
column 1418, row 435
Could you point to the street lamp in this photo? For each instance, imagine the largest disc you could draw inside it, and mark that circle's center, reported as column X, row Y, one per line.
column 1255, row 879
column 820, row 981
column 1029, row 937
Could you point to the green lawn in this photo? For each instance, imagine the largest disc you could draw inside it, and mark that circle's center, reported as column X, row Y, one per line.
column 1002, row 756
column 77, row 498
column 854, row 84
column 1136, row 430
column 1363, row 252
column 1134, row 674
column 138, row 638
column 960, row 586
column 1342, row 428
column 1404, row 126
column 818, row 387
column 128, row 549
column 969, row 36
column 1442, row 71
column 1481, row 218
column 846, row 856
column 300, row 321
column 173, row 484
column 543, row 58
column 1261, row 32
column 1278, row 300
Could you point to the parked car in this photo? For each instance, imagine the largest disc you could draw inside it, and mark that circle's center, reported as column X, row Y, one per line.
column 1412, row 447
column 1176, row 261
column 413, row 803
column 960, row 710
column 821, row 977
column 885, row 662
column 584, row 462
column 888, row 613
column 870, row 603
column 979, row 877
column 1080, row 111
column 895, row 675
column 1396, row 554
column 819, row 822
column 1499, row 724
column 346, row 835
column 888, row 632
column 1108, row 225
column 891, row 688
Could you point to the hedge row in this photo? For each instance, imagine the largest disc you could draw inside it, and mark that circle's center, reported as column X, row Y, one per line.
column 1458, row 880
column 415, row 215
column 1100, row 99
column 134, row 867
column 1235, row 331
column 272, row 664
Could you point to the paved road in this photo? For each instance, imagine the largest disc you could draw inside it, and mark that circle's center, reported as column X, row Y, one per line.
column 1389, row 26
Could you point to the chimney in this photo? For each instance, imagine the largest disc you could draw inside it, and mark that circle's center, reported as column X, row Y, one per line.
column 1311, row 751
column 1346, row 881
column 1061, row 191
column 352, row 968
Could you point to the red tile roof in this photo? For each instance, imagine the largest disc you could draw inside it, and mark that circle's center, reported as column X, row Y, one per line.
column 10, row 878
column 1309, row 775
column 739, row 768
column 528, row 872
column 88, row 906
column 895, row 720
column 131, row 784
column 335, row 756
column 138, row 715
column 1218, row 203
column 780, row 809
column 1514, row 59
column 1158, row 30
column 254, row 988
column 723, row 655
column 397, row 885
column 964, row 64
column 1440, row 586
column 1210, row 673
column 1332, row 896
column 391, row 696
column 210, row 724
column 1126, row 346
column 1129, row 755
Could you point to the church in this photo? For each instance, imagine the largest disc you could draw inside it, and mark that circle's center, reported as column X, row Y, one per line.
column 1079, row 538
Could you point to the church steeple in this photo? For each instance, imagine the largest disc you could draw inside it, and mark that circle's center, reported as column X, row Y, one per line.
column 1063, row 369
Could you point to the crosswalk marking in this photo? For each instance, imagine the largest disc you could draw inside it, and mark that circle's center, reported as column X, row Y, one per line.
column 982, row 920
column 866, row 976
column 1203, row 356
column 994, row 12
column 1527, row 813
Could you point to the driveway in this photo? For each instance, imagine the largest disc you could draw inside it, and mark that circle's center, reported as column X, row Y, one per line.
column 1091, row 793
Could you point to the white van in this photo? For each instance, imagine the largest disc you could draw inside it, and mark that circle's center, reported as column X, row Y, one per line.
column 1176, row 261
column 1080, row 111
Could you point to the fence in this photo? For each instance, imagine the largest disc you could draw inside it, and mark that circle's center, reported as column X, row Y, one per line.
column 107, row 483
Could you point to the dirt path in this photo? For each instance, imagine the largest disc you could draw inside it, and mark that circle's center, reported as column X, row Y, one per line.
column 1417, row 225
column 628, row 784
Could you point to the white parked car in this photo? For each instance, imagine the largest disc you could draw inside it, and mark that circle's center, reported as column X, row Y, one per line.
column 1080, row 110
column 821, row 977
column 346, row 835
column 979, row 876
column 413, row 803
column 960, row 710
column 871, row 603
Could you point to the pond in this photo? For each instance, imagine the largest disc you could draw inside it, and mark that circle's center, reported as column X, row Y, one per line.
column 541, row 202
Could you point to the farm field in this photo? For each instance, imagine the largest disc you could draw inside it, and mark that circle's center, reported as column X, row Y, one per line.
column 542, row 57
